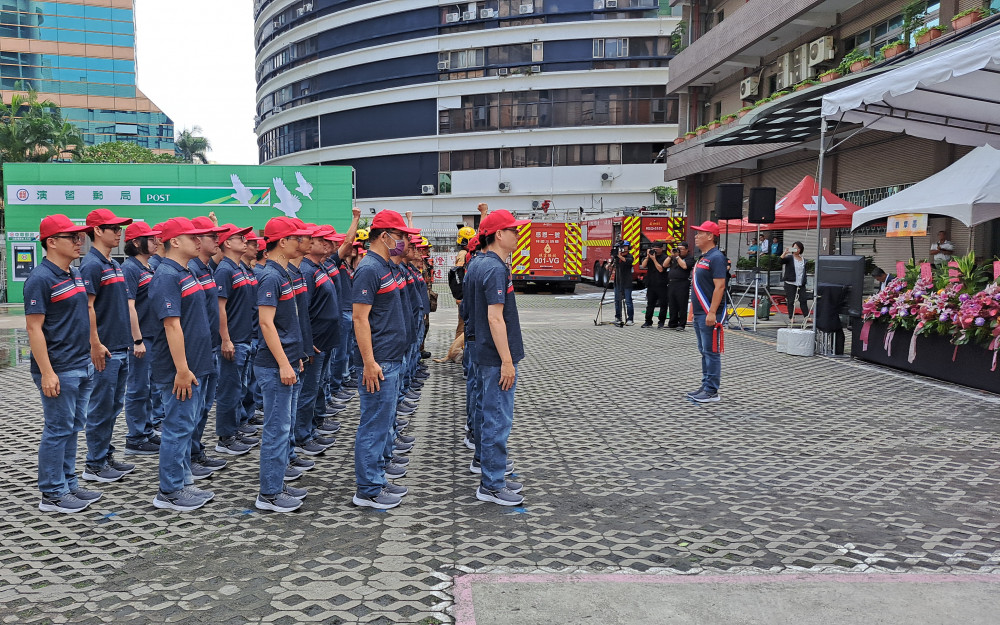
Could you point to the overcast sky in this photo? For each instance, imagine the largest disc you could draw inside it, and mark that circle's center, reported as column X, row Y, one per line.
column 196, row 62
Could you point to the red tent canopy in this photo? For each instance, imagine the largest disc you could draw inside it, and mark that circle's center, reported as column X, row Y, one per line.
column 797, row 211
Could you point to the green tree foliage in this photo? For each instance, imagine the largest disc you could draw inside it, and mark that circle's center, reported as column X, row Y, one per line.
column 35, row 132
column 123, row 152
column 192, row 146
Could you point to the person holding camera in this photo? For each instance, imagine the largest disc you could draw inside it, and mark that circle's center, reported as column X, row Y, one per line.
column 794, row 266
column 680, row 264
column 655, row 263
column 622, row 261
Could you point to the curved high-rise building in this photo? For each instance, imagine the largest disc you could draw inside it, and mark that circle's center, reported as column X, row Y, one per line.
column 439, row 106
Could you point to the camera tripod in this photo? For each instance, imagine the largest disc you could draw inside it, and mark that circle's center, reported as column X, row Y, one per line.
column 599, row 319
column 757, row 286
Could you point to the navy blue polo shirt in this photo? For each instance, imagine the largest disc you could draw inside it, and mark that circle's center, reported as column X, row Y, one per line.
column 343, row 274
column 493, row 285
column 376, row 284
column 154, row 261
column 254, row 317
column 710, row 266
column 103, row 278
column 175, row 292
column 274, row 289
column 137, row 279
column 233, row 284
column 324, row 306
column 466, row 307
column 406, row 296
column 62, row 298
column 203, row 274
column 418, row 278
column 302, row 299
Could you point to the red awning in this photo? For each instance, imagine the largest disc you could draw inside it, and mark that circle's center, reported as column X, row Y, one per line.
column 797, row 211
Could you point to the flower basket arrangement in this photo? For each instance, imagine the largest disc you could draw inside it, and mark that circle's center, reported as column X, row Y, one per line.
column 894, row 48
column 700, row 130
column 712, row 125
column 967, row 18
column 929, row 33
column 780, row 94
column 728, row 119
column 690, row 134
column 855, row 61
column 805, row 84
column 832, row 74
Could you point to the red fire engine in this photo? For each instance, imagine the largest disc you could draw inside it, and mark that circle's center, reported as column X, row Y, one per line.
column 640, row 230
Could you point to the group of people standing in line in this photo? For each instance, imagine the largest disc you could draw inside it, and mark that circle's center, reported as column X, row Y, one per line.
column 276, row 332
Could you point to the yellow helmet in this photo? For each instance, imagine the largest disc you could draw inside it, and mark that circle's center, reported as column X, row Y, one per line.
column 362, row 234
column 465, row 234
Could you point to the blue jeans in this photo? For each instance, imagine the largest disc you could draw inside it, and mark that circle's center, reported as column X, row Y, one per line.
column 471, row 381
column 234, row 375
column 65, row 417
column 254, row 400
column 342, row 366
column 106, row 403
column 496, row 418
column 623, row 292
column 711, row 362
column 378, row 413
column 179, row 424
column 139, row 397
column 274, row 442
column 305, row 407
column 211, row 383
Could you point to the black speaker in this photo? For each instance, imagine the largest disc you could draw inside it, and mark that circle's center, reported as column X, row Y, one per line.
column 729, row 201
column 762, row 201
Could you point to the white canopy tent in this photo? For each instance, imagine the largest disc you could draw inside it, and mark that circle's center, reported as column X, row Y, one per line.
column 952, row 95
column 968, row 190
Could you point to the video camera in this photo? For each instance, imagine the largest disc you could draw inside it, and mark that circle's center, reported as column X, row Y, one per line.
column 620, row 247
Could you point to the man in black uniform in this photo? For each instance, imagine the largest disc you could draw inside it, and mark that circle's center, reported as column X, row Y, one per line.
column 622, row 262
column 655, row 264
column 679, row 285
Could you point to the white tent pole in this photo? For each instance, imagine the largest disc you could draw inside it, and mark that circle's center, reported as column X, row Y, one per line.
column 819, row 220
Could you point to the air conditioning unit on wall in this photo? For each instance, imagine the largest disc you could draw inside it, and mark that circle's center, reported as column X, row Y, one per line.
column 821, row 50
column 504, row 187
column 427, row 189
column 486, row 13
column 452, row 17
column 749, row 87
column 469, row 15
column 525, row 9
column 445, row 64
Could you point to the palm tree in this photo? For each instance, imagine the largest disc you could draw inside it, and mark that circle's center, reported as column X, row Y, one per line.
column 33, row 131
column 191, row 145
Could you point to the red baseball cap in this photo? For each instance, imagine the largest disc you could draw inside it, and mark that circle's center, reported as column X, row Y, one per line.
column 252, row 238
column 391, row 220
column 473, row 243
column 337, row 237
column 54, row 224
column 208, row 225
column 281, row 227
column 499, row 220
column 177, row 226
column 140, row 229
column 104, row 217
column 232, row 230
column 708, row 226
column 324, row 231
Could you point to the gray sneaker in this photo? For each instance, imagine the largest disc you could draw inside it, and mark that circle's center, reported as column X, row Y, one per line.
column 282, row 502
column 329, row 426
column 87, row 495
column 403, row 438
column 310, row 448
column 396, row 490
column 207, row 495
column 705, row 397
column 124, row 467
column 301, row 464
column 393, row 470
column 504, row 496
column 477, row 467
column 246, row 439
column 403, row 460
column 67, row 504
column 325, row 441
column 381, row 501
column 514, row 487
column 181, row 501
column 469, row 442
column 231, row 446
column 211, row 463
column 693, row 393
column 296, row 493
column 145, row 448
column 291, row 473
column 200, row 471
column 401, row 447
column 102, row 474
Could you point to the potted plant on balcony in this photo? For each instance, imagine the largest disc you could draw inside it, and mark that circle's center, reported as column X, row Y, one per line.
column 679, row 140
column 780, row 94
column 894, row 48
column 712, row 125
column 929, row 33
column 690, row 135
column 700, row 130
column 966, row 18
column 855, row 61
column 805, row 84
column 743, row 111
column 830, row 74
column 729, row 118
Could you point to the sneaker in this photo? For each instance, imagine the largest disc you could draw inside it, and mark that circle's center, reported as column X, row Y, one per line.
column 333, row 412
column 409, row 440
column 679, row 328
column 421, row 375
column 181, row 501
column 350, row 385
column 504, row 496
column 412, row 395
column 330, row 424
column 67, row 504
column 705, row 397
column 469, row 442
column 425, row 354
column 402, row 423
column 646, row 325
column 309, row 448
column 200, row 471
column 402, row 460
column 207, row 495
column 344, row 395
column 402, row 447
column 124, row 467
column 257, row 420
column 86, row 495
column 154, row 438
column 325, row 441
column 102, row 474
column 335, row 406
column 477, row 467
column 408, row 403
column 381, row 501
column 514, row 487
column 659, row 326
column 231, row 446
column 405, row 410
column 291, row 473
column 394, row 471
column 693, row 393
column 301, row 464
column 416, row 384
column 322, row 430
column 145, row 448
column 630, row 323
column 297, row 493
column 282, row 502
column 212, row 463
column 396, row 490
column 250, row 441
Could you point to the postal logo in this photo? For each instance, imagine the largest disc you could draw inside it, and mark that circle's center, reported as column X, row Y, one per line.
column 22, row 194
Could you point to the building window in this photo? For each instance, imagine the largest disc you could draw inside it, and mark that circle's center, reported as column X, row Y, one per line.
column 610, row 48
column 462, row 59
column 871, row 40
column 548, row 156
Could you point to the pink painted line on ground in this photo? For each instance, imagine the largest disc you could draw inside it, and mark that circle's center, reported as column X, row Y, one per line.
column 465, row 611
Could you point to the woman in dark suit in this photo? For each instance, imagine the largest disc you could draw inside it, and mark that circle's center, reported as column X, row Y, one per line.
column 794, row 267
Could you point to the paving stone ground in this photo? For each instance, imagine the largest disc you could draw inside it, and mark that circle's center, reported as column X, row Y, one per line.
column 810, row 464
